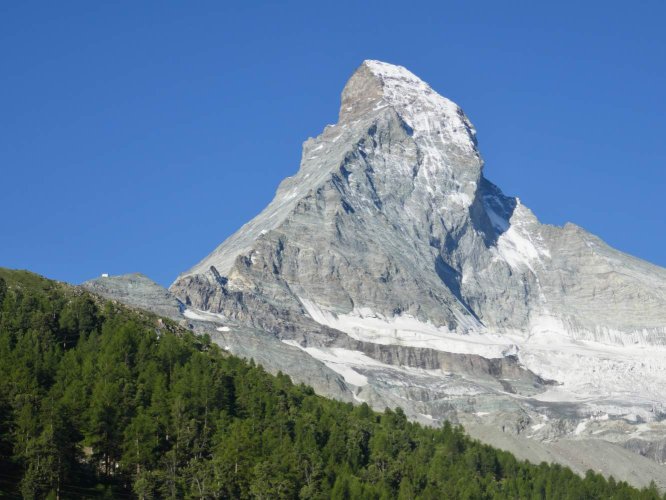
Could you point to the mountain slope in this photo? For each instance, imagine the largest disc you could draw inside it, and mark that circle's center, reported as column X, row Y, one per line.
column 392, row 260
column 98, row 400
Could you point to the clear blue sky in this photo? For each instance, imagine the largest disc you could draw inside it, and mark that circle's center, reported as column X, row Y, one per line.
column 136, row 136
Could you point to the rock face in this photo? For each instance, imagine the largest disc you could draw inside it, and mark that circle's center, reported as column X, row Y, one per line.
column 137, row 290
column 390, row 259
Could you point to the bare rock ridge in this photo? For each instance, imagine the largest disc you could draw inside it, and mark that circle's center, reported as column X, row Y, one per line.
column 391, row 261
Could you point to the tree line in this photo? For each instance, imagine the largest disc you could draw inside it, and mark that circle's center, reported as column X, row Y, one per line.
column 101, row 401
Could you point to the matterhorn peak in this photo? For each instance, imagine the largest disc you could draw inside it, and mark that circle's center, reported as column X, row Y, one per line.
column 387, row 70
column 373, row 84
column 377, row 85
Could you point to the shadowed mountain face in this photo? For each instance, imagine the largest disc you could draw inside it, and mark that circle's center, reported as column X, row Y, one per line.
column 392, row 260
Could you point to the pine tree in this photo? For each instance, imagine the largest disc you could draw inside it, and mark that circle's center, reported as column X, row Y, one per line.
column 3, row 291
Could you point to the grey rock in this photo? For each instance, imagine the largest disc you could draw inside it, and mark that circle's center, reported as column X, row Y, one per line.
column 139, row 291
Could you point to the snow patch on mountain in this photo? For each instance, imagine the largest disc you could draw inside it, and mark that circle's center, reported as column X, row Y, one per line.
column 341, row 361
column 199, row 315
column 518, row 244
column 354, row 366
column 368, row 326
column 589, row 372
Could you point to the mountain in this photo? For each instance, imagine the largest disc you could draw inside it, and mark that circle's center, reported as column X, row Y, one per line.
column 390, row 213
column 391, row 260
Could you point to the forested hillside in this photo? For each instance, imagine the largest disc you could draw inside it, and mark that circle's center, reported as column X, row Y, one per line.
column 97, row 400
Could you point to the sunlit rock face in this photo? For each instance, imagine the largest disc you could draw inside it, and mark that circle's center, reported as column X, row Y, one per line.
column 390, row 259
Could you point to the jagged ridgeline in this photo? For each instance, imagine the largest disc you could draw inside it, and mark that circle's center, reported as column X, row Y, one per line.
column 100, row 400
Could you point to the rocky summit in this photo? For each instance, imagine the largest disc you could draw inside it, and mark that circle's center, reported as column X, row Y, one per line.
column 405, row 278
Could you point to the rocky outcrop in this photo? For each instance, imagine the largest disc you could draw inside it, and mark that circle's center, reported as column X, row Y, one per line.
column 137, row 290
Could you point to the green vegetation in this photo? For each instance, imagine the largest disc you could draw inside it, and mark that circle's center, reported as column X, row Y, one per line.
column 97, row 400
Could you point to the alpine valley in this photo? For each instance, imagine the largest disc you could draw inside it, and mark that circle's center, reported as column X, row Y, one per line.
column 390, row 271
